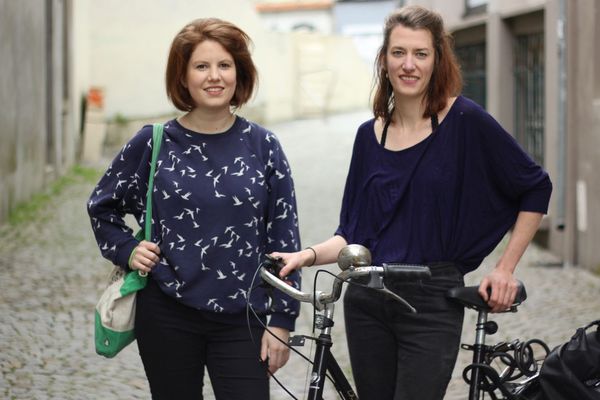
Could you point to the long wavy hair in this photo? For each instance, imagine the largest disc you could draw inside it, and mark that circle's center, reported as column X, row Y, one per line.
column 446, row 79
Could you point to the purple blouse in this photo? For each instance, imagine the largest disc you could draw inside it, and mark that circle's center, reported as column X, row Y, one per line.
column 451, row 197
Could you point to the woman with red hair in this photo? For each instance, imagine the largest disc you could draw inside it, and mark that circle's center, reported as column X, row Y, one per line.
column 223, row 198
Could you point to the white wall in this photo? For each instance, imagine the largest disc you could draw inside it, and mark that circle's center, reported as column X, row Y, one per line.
column 130, row 41
column 128, row 45
column 320, row 20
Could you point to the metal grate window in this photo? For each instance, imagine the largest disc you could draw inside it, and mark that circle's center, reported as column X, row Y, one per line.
column 475, row 6
column 472, row 63
column 529, row 94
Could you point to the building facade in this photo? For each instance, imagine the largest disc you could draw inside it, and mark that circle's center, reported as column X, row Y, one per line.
column 38, row 124
column 535, row 66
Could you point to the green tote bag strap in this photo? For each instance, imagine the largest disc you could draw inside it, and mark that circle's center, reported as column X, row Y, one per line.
column 157, row 131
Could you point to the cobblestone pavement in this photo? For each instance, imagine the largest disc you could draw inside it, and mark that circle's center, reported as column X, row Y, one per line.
column 51, row 275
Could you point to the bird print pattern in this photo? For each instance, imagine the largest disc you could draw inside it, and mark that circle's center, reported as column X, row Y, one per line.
column 220, row 203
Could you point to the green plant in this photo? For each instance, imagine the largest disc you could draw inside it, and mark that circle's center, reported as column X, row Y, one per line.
column 120, row 119
column 29, row 210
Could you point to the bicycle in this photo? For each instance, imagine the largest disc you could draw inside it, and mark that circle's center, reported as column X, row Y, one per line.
column 354, row 261
column 518, row 360
column 521, row 362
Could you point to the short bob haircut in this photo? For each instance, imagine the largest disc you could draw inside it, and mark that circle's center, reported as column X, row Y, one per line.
column 232, row 38
column 446, row 80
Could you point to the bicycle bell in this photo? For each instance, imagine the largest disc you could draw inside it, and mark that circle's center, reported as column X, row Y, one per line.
column 353, row 255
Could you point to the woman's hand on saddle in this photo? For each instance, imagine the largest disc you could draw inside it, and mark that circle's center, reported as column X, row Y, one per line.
column 503, row 288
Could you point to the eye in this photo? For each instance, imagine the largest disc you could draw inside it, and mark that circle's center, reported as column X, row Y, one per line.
column 422, row 54
column 225, row 65
column 397, row 52
column 201, row 67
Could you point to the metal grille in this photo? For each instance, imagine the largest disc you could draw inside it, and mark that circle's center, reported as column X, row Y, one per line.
column 529, row 94
column 472, row 63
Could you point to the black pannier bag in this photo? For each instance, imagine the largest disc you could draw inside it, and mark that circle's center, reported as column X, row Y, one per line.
column 572, row 371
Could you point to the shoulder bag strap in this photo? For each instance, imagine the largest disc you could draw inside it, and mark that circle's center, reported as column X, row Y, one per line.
column 157, row 132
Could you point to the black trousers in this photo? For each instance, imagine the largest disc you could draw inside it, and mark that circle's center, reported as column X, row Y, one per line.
column 177, row 342
column 397, row 355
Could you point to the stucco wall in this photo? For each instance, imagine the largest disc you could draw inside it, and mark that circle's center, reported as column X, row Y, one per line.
column 129, row 44
column 128, row 51
column 584, row 124
column 23, row 100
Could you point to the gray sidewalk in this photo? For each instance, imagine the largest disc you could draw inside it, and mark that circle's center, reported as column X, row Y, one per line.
column 51, row 275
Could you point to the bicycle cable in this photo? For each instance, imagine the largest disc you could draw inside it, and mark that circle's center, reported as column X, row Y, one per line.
column 250, row 309
column 525, row 356
column 518, row 357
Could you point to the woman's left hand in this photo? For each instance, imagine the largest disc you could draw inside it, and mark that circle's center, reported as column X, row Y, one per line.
column 273, row 350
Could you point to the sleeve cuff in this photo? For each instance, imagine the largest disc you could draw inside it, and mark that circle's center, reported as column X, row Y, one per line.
column 122, row 258
column 284, row 321
column 536, row 201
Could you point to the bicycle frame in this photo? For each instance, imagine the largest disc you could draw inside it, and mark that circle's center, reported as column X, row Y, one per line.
column 481, row 372
column 324, row 362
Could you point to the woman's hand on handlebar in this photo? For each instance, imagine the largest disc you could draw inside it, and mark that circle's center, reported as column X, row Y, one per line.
column 322, row 253
column 293, row 261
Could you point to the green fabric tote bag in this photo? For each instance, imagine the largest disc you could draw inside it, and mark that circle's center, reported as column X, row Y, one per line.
column 115, row 311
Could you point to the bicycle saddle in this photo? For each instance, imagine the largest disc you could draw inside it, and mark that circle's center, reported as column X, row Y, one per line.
column 469, row 297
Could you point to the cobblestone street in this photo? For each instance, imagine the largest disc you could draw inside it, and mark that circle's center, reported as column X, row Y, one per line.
column 51, row 275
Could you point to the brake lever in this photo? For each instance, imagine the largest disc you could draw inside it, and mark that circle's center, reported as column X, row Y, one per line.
column 385, row 290
column 273, row 265
column 376, row 282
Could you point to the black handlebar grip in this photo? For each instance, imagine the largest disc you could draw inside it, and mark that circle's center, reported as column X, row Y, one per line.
column 406, row 272
column 273, row 264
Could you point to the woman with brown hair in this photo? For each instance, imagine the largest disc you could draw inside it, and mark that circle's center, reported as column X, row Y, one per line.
column 433, row 180
column 223, row 198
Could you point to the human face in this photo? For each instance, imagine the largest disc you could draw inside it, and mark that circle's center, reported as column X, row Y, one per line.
column 211, row 76
column 409, row 61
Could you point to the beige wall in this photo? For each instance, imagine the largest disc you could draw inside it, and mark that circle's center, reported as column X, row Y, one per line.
column 583, row 127
column 129, row 43
column 128, row 51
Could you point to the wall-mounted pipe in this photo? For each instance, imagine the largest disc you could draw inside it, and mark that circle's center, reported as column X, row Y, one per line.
column 562, row 119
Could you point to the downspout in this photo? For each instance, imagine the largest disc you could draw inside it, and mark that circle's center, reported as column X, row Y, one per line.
column 562, row 119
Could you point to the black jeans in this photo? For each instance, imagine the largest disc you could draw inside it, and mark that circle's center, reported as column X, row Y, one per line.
column 396, row 355
column 177, row 342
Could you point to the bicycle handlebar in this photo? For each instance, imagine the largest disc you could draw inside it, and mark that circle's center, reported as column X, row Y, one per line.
column 376, row 274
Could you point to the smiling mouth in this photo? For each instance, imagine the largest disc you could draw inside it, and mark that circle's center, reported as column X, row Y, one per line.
column 214, row 90
column 409, row 78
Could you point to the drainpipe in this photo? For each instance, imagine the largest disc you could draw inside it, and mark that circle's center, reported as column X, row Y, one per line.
column 562, row 119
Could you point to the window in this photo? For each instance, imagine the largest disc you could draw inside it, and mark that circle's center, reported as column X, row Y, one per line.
column 529, row 94
column 475, row 6
column 472, row 64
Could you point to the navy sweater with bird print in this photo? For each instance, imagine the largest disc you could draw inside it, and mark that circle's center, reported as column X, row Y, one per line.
column 220, row 203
